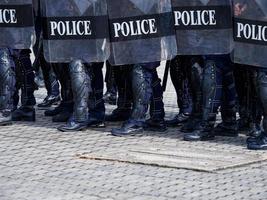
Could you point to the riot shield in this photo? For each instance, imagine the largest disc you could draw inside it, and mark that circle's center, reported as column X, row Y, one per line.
column 75, row 29
column 16, row 23
column 141, row 31
column 250, row 32
column 203, row 27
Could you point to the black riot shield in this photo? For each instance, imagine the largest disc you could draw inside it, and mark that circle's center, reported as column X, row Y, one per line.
column 250, row 32
column 16, row 24
column 203, row 27
column 75, row 29
column 141, row 31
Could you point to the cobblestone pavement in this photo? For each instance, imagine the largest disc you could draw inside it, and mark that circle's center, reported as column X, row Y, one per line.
column 37, row 162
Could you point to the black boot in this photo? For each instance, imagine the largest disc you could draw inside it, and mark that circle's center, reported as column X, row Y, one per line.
column 202, row 133
column 54, row 112
column 155, row 125
column 5, row 118
column 73, row 126
column 62, row 116
column 178, row 120
column 118, row 115
column 24, row 113
column 142, row 92
column 129, row 128
column 81, row 87
column 226, row 130
column 49, row 101
column 228, row 127
column 258, row 143
column 191, row 124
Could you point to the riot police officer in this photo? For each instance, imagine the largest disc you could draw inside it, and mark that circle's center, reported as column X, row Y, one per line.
column 250, row 50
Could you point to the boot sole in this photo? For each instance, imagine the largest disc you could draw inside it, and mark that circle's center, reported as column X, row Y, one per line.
column 68, row 131
column 6, row 123
column 199, row 139
column 258, row 149
column 130, row 134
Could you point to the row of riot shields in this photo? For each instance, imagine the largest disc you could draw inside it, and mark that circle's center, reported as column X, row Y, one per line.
column 139, row 31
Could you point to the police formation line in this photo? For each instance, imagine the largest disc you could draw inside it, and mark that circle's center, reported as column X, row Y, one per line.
column 215, row 52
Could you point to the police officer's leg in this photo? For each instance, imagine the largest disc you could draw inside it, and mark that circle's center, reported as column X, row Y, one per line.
column 228, row 127
column 122, row 76
column 260, row 142
column 255, row 109
column 179, row 76
column 26, row 112
column 243, row 88
column 81, row 87
column 196, row 78
column 212, row 93
column 142, row 92
column 96, row 101
column 111, row 94
column 64, row 111
column 51, row 84
column 7, row 86
column 157, row 112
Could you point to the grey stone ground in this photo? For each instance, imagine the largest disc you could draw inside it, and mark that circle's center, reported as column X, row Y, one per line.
column 37, row 162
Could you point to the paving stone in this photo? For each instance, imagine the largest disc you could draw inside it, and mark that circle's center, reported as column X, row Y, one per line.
column 38, row 162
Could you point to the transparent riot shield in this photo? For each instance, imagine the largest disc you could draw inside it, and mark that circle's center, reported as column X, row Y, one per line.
column 250, row 32
column 75, row 29
column 16, row 23
column 203, row 27
column 141, row 31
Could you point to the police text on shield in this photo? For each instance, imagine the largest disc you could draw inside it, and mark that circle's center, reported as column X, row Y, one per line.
column 250, row 31
column 8, row 16
column 70, row 28
column 135, row 28
column 195, row 18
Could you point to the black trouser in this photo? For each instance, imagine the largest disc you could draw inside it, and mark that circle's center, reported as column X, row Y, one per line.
column 62, row 73
column 96, row 102
column 180, row 68
column 7, row 77
column 50, row 79
column 122, row 76
column 24, row 78
column 249, row 106
column 110, row 79
column 262, row 90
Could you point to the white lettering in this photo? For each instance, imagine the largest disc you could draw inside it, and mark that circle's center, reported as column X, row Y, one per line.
column 135, row 28
column 251, row 32
column 8, row 16
column 70, row 28
column 195, row 18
